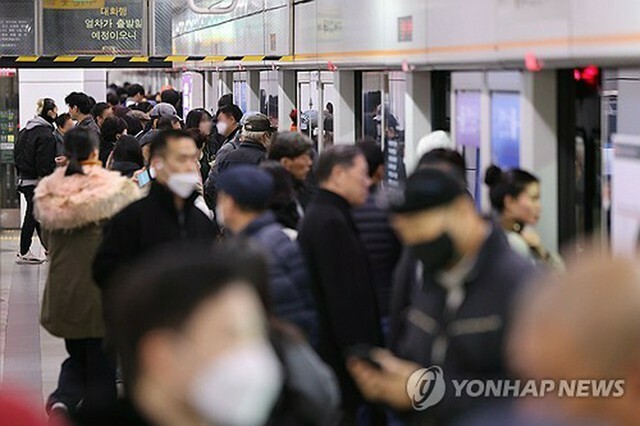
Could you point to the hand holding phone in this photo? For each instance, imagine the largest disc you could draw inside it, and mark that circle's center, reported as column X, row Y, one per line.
column 143, row 178
column 362, row 352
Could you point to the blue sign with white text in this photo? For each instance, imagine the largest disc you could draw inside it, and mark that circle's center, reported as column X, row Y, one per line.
column 505, row 129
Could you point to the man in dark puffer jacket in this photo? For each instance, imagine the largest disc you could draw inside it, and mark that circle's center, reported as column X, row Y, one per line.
column 380, row 241
column 243, row 192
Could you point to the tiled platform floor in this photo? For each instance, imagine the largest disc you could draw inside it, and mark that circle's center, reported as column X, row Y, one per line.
column 29, row 356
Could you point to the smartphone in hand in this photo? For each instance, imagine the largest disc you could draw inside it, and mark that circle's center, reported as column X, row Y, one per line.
column 363, row 353
column 144, row 178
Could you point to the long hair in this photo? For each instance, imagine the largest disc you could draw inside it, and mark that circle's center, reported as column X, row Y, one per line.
column 195, row 117
column 78, row 146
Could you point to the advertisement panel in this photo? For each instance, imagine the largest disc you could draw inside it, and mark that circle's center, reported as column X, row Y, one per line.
column 505, row 129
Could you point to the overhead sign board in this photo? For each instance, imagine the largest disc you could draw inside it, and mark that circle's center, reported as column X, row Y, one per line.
column 17, row 32
column 73, row 4
column 114, row 27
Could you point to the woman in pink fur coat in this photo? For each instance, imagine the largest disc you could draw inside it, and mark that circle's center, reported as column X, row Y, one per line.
column 72, row 204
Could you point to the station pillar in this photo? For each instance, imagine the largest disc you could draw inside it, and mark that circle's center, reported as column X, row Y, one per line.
column 211, row 91
column 539, row 146
column 344, row 114
column 226, row 84
column 253, row 91
column 287, row 86
column 417, row 115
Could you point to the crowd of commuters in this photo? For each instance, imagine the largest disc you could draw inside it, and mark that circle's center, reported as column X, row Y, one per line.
column 229, row 274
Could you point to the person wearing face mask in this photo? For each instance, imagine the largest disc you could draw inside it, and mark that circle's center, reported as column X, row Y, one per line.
column 228, row 129
column 252, row 150
column 192, row 335
column 462, row 279
column 167, row 214
column 34, row 156
column 515, row 198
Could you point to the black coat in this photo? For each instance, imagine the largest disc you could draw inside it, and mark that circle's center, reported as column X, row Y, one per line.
column 106, row 147
column 474, row 334
column 342, row 285
column 229, row 145
column 144, row 225
column 249, row 152
column 382, row 246
column 121, row 413
column 35, row 150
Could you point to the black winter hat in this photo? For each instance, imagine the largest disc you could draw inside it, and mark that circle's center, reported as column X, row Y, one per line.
column 249, row 186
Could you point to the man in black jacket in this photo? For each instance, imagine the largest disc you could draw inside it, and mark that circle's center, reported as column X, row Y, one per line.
column 338, row 264
column 166, row 215
column 381, row 243
column 256, row 137
column 80, row 110
column 228, row 129
column 252, row 150
column 453, row 295
column 34, row 155
column 294, row 152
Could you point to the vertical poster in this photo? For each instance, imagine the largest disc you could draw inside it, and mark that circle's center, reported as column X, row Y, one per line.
column 187, row 93
column 505, row 129
column 468, row 119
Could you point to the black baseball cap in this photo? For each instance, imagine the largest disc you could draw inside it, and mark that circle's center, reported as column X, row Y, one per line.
column 426, row 189
column 258, row 123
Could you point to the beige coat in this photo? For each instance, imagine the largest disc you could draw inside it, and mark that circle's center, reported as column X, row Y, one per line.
column 72, row 209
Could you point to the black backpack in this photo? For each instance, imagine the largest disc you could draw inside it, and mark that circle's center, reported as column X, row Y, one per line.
column 18, row 150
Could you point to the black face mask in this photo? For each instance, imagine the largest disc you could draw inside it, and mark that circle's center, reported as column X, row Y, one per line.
column 436, row 254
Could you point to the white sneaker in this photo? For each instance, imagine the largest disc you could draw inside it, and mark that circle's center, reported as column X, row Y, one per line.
column 28, row 259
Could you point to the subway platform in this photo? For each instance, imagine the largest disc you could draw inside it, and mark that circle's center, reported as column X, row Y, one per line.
column 30, row 357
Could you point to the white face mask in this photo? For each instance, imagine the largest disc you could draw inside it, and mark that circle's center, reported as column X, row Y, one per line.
column 239, row 388
column 183, row 184
column 219, row 215
column 222, row 127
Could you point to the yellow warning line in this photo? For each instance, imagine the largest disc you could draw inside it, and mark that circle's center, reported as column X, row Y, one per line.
column 65, row 59
column 176, row 58
column 103, row 59
column 27, row 59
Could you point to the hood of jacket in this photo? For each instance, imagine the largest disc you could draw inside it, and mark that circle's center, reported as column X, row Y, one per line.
column 37, row 121
column 68, row 202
